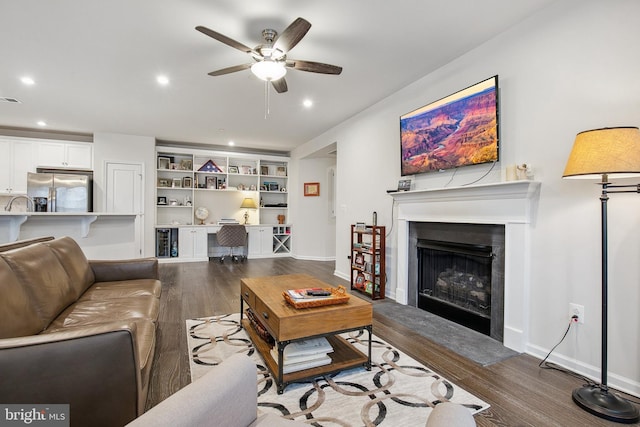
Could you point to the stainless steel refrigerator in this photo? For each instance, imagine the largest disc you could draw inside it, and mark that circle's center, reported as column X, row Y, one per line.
column 61, row 190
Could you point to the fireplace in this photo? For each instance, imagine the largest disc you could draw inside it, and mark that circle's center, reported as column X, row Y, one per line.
column 510, row 207
column 454, row 281
column 458, row 273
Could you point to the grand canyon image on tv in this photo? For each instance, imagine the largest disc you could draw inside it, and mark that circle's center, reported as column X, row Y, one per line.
column 458, row 130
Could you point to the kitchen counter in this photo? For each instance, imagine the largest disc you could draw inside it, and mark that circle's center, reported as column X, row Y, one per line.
column 111, row 228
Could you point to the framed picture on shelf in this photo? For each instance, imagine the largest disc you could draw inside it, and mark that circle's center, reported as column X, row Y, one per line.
column 177, row 183
column 245, row 170
column 273, row 186
column 359, row 260
column 233, row 169
column 163, row 162
column 164, row 182
column 162, row 200
column 187, row 182
column 281, row 171
column 263, row 188
column 264, row 170
column 211, row 182
column 311, row 189
column 186, row 165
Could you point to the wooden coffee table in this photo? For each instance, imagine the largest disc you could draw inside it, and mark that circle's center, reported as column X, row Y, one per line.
column 287, row 324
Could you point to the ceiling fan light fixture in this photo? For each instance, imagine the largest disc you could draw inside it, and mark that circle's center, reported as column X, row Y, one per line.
column 269, row 70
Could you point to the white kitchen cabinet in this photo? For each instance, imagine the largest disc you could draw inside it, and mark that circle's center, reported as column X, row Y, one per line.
column 260, row 242
column 72, row 155
column 192, row 243
column 17, row 160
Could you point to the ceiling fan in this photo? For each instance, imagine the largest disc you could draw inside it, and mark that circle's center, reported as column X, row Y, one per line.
column 270, row 58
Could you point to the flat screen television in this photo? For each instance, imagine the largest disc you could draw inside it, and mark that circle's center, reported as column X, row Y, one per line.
column 458, row 130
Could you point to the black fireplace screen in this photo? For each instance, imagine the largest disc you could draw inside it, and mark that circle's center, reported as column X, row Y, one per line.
column 457, row 278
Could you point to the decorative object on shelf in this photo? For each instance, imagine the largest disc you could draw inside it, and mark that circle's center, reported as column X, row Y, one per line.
column 264, row 170
column 163, row 182
column 311, row 189
column 186, row 165
column 187, row 201
column 281, row 171
column 240, row 187
column 164, row 162
column 404, row 185
column 202, row 214
column 173, row 202
column 281, row 219
column 247, row 203
column 283, row 189
column 233, row 169
column 252, row 187
column 187, row 182
column 210, row 166
column 601, row 154
column 162, row 200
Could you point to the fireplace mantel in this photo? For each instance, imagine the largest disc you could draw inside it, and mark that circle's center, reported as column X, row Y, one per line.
column 512, row 203
column 500, row 190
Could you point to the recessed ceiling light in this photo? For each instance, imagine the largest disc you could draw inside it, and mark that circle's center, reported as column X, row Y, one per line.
column 162, row 80
column 42, row 123
column 307, row 103
column 27, row 81
column 232, row 143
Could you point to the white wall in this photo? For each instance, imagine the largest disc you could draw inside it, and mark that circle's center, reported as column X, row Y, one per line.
column 570, row 68
column 314, row 233
column 127, row 149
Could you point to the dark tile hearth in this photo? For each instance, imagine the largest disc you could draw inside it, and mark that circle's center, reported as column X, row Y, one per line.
column 473, row 345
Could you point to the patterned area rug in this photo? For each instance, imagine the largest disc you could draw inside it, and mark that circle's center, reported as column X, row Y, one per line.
column 398, row 391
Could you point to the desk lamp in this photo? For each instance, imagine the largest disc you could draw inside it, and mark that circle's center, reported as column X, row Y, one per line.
column 247, row 203
column 605, row 153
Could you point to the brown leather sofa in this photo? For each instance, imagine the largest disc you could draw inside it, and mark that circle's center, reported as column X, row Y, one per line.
column 76, row 331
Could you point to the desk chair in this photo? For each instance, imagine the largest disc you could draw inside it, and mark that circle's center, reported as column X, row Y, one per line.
column 232, row 236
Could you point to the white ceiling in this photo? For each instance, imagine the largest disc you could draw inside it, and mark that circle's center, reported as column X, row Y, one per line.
column 95, row 62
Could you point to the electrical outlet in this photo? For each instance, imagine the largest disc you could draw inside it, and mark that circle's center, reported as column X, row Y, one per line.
column 577, row 310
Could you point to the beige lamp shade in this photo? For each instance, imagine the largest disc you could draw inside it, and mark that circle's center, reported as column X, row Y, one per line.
column 606, row 151
column 248, row 203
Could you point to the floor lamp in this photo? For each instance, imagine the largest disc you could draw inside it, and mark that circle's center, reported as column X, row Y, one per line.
column 605, row 153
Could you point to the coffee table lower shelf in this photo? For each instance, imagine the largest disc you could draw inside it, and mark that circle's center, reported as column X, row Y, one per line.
column 344, row 356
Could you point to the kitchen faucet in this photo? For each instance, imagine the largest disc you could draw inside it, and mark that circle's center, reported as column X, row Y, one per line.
column 19, row 196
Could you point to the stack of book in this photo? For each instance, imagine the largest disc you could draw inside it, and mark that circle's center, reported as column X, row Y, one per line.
column 305, row 354
column 223, row 221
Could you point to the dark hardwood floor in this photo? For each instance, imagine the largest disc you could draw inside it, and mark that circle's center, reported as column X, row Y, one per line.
column 520, row 393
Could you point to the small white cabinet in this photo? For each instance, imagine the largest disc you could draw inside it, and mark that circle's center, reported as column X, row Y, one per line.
column 192, row 243
column 260, row 241
column 16, row 161
column 65, row 155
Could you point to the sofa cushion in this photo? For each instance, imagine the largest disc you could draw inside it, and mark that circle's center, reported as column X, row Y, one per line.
column 92, row 312
column 74, row 262
column 44, row 279
column 18, row 316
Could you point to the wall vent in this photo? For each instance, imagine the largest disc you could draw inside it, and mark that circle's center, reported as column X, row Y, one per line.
column 11, row 100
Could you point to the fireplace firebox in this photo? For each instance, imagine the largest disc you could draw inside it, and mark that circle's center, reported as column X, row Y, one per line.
column 454, row 282
column 456, row 271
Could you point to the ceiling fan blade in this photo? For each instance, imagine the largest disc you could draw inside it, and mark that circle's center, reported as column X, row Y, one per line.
column 292, row 35
column 226, row 40
column 229, row 70
column 280, row 85
column 313, row 67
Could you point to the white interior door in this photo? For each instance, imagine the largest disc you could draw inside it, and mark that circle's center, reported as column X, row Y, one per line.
column 124, row 190
column 124, row 193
